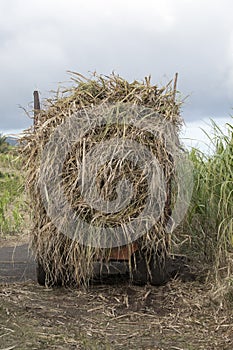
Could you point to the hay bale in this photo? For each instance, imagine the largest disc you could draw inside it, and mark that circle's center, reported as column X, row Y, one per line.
column 129, row 108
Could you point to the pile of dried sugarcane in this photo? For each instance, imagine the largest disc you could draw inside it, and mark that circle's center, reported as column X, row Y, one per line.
column 107, row 114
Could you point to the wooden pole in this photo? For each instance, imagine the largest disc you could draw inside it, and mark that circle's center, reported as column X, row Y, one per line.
column 175, row 86
column 36, row 106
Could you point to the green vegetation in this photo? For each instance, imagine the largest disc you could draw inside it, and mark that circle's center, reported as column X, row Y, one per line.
column 209, row 222
column 11, row 192
column 4, row 146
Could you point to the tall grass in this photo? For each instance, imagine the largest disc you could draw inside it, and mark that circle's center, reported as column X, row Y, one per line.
column 12, row 204
column 3, row 144
column 209, row 222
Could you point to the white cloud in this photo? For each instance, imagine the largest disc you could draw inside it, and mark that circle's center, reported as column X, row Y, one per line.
column 198, row 134
column 40, row 40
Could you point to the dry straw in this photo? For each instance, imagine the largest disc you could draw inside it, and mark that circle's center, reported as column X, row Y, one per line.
column 69, row 259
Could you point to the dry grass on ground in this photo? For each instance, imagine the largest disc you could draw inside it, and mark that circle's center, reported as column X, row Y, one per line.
column 121, row 316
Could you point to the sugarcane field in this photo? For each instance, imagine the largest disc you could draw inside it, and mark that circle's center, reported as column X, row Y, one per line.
column 114, row 235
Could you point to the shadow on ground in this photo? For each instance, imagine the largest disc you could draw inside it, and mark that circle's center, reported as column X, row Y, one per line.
column 17, row 264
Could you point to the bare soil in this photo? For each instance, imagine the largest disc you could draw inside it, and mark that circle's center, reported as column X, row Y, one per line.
column 112, row 315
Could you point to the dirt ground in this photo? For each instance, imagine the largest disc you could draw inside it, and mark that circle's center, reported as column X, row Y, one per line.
column 113, row 315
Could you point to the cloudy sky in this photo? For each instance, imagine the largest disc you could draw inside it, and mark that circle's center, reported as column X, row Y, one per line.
column 40, row 40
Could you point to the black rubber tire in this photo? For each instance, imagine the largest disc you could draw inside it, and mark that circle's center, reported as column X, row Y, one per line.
column 40, row 274
column 158, row 270
column 44, row 280
column 153, row 270
column 139, row 274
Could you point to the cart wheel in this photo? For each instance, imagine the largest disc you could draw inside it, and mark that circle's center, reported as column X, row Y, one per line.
column 40, row 273
column 152, row 270
column 139, row 274
column 158, row 270
column 43, row 279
